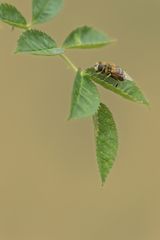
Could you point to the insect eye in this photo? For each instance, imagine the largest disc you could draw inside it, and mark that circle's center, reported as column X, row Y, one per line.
column 100, row 67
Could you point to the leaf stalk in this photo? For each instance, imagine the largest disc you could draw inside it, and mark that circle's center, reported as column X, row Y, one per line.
column 68, row 61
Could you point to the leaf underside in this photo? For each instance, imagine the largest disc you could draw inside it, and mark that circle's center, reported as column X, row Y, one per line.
column 37, row 43
column 44, row 10
column 127, row 89
column 85, row 97
column 106, row 140
column 86, row 37
column 10, row 15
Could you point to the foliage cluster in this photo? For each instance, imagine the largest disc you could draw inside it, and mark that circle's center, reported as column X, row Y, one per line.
column 85, row 100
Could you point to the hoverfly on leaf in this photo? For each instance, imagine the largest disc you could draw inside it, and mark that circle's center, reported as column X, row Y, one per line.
column 112, row 70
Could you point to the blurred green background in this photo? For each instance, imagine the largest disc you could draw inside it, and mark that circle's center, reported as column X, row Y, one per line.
column 49, row 181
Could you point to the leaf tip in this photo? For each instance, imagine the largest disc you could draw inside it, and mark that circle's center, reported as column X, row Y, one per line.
column 103, row 178
column 16, row 51
column 102, row 182
column 147, row 103
column 69, row 118
column 113, row 40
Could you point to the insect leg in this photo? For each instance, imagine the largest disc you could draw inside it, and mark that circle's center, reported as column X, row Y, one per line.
column 98, row 73
column 117, row 83
column 108, row 75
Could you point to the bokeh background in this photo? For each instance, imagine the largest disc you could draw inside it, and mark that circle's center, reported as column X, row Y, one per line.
column 49, row 182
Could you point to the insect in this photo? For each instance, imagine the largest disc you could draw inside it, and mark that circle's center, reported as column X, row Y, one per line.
column 112, row 70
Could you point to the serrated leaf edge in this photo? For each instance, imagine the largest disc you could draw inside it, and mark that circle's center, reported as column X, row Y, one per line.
column 96, row 132
column 23, row 26
column 87, row 115
column 89, row 45
column 45, row 34
column 109, row 86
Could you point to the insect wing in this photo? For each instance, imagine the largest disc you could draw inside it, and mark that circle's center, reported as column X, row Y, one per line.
column 127, row 77
column 117, row 72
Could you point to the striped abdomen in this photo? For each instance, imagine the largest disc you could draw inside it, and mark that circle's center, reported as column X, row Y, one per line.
column 117, row 73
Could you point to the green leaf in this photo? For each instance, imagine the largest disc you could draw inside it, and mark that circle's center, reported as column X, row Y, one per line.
column 126, row 88
column 44, row 10
column 86, row 37
column 106, row 140
column 10, row 15
column 85, row 97
column 37, row 43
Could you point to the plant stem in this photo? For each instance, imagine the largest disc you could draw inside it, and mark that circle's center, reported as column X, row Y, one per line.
column 68, row 61
column 29, row 26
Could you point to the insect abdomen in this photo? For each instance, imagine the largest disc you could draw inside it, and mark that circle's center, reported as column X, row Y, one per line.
column 118, row 73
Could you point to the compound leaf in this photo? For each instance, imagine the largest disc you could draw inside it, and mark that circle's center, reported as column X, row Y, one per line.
column 85, row 97
column 10, row 15
column 86, row 37
column 127, row 89
column 106, row 140
column 44, row 10
column 37, row 43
